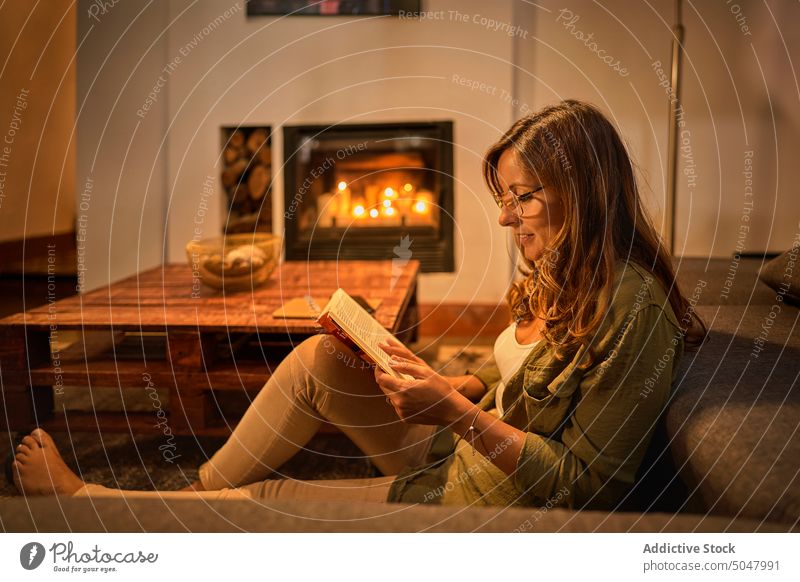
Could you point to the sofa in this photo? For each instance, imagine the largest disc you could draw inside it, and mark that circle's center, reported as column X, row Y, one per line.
column 733, row 426
column 725, row 456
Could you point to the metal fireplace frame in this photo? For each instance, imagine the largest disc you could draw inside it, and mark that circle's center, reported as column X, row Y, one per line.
column 436, row 253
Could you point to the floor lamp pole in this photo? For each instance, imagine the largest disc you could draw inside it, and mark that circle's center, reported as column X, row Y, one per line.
column 674, row 108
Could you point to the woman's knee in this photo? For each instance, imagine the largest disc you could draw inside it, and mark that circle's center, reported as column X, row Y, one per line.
column 321, row 356
column 322, row 350
column 328, row 364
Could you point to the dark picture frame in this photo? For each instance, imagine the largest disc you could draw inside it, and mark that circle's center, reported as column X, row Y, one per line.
column 332, row 7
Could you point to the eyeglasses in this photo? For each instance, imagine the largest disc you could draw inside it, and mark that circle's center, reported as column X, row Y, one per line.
column 516, row 203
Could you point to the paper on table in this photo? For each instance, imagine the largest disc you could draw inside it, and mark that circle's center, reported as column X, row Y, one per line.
column 301, row 308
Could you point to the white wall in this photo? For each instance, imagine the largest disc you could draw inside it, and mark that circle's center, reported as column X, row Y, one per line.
column 37, row 111
column 120, row 176
column 560, row 65
column 320, row 70
column 742, row 95
column 728, row 106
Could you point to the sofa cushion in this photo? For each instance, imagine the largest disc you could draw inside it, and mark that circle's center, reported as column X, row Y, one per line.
column 161, row 515
column 734, row 419
column 783, row 274
column 732, row 281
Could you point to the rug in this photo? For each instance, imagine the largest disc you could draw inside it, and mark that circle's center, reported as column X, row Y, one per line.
column 128, row 461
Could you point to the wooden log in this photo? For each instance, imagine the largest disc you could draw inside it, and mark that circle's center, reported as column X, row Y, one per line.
column 257, row 139
column 236, row 139
column 257, row 182
column 231, row 154
column 232, row 173
column 241, row 201
column 264, row 156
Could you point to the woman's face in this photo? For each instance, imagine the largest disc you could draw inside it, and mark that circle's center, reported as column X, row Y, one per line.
column 537, row 221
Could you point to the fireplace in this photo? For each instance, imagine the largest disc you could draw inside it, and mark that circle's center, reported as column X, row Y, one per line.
column 377, row 191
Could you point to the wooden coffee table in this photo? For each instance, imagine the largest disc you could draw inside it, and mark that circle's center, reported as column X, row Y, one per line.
column 158, row 329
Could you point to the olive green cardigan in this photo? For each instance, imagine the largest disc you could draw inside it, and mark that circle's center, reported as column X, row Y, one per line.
column 587, row 428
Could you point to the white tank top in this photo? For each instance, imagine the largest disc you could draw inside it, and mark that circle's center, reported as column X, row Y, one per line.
column 509, row 355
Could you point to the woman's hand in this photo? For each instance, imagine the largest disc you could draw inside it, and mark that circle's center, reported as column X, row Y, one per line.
column 431, row 399
column 427, row 399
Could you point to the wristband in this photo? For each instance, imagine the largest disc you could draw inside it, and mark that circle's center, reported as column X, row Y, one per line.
column 471, row 431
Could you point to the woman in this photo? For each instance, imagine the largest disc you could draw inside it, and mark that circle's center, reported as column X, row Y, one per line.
column 565, row 412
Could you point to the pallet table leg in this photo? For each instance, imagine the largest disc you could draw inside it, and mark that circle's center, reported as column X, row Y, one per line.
column 16, row 408
column 43, row 401
column 22, row 407
column 190, row 406
column 189, row 411
column 193, row 350
column 25, row 407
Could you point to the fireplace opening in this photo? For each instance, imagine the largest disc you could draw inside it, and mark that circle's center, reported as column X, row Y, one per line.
column 377, row 191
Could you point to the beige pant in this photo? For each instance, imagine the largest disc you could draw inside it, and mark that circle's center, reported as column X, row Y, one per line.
column 320, row 380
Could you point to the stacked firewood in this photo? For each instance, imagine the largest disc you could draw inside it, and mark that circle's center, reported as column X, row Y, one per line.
column 246, row 176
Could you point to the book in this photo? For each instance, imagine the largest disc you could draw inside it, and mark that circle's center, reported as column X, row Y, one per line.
column 344, row 318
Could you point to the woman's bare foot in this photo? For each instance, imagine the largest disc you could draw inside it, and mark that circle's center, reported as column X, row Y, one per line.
column 39, row 469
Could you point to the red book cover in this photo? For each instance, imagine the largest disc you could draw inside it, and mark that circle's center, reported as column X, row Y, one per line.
column 329, row 326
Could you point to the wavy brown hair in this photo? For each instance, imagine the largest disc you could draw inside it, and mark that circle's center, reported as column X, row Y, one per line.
column 574, row 150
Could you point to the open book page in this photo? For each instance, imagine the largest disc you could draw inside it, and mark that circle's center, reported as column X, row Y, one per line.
column 363, row 329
